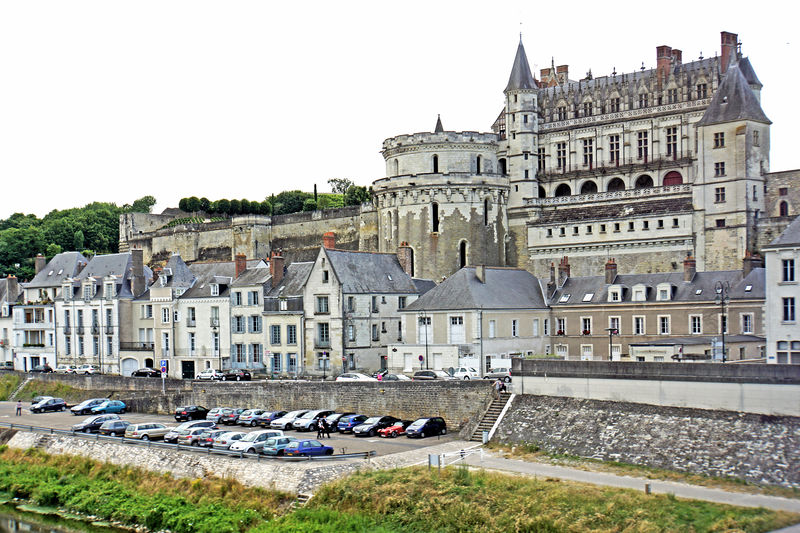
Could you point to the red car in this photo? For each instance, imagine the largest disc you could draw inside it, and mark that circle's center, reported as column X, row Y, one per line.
column 395, row 429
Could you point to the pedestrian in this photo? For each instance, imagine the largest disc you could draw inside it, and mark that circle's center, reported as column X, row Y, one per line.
column 326, row 427
column 498, row 385
column 379, row 377
column 320, row 427
column 19, row 408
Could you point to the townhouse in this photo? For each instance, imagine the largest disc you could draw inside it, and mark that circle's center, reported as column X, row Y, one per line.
column 10, row 291
column 247, row 321
column 782, row 258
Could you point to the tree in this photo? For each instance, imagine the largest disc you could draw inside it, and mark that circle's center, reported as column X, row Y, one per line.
column 52, row 250
column 356, row 195
column 223, row 206
column 245, row 207
column 193, row 204
column 309, row 205
column 236, row 207
column 265, row 208
column 289, row 202
column 77, row 240
column 183, row 204
column 205, row 204
column 340, row 185
column 143, row 204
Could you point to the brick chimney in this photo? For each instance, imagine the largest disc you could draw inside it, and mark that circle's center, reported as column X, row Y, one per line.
column 750, row 262
column 677, row 57
column 329, row 240
column 551, row 285
column 138, row 283
column 729, row 42
column 563, row 271
column 276, row 267
column 611, row 271
column 156, row 274
column 405, row 256
column 689, row 268
column 79, row 267
column 240, row 264
column 40, row 262
column 663, row 61
column 562, row 73
column 480, row 273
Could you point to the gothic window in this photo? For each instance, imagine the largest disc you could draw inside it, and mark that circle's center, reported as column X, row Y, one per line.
column 587, row 109
column 435, row 164
column 615, row 184
column 541, row 158
column 435, row 217
column 542, row 193
column 702, row 90
column 672, row 141
column 643, row 100
column 613, row 148
column 561, row 155
column 672, row 96
column 589, row 187
column 561, row 112
column 614, row 105
column 642, row 144
column 563, row 190
column 644, row 181
column 478, row 165
column 784, row 209
column 462, row 254
column 588, row 152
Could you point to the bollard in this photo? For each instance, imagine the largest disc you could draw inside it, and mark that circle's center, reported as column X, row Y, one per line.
column 485, row 437
column 647, row 488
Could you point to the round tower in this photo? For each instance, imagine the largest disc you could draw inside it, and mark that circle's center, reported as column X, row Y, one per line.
column 446, row 198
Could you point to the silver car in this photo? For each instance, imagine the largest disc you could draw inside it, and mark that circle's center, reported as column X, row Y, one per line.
column 172, row 435
column 149, row 431
column 254, row 441
column 499, row 373
column 215, row 413
column 249, row 417
column 285, row 422
column 224, row 441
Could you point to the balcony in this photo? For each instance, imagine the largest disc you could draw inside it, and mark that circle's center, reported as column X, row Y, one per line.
column 627, row 194
column 215, row 322
column 322, row 343
column 67, row 330
column 109, row 330
column 29, row 326
column 137, row 346
column 95, row 329
column 191, row 323
column 628, row 165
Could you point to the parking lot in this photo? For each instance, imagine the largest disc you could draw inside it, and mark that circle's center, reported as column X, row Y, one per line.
column 341, row 443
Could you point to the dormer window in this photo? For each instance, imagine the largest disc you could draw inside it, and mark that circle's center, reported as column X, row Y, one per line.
column 87, row 292
column 214, row 289
column 283, row 305
column 664, row 292
column 639, row 293
column 109, row 291
column 615, row 294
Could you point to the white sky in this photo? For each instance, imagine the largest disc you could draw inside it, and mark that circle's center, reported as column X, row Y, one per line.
column 109, row 101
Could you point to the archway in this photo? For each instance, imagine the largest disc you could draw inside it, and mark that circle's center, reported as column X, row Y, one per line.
column 563, row 190
column 542, row 194
column 644, row 181
column 673, row 177
column 784, row 209
column 616, row 185
column 589, row 187
column 129, row 365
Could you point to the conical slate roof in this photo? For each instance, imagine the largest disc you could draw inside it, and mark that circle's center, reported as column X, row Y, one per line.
column 521, row 77
column 439, row 128
column 734, row 101
column 749, row 73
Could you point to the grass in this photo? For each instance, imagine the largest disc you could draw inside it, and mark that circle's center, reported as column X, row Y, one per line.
column 532, row 452
column 56, row 389
column 8, row 383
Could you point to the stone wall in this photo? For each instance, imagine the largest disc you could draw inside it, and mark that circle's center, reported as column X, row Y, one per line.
column 759, row 449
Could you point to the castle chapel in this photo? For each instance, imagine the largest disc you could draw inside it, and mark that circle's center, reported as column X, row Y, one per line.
column 645, row 167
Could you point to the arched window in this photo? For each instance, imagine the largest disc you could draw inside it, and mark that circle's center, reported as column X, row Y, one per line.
column 616, row 185
column 148, row 363
column 478, row 165
column 396, row 167
column 435, row 164
column 643, row 181
column 542, row 194
column 589, row 187
column 784, row 209
column 563, row 190
column 389, row 226
column 502, row 164
column 673, row 178
column 411, row 251
column 462, row 254
column 486, row 211
column 435, row 217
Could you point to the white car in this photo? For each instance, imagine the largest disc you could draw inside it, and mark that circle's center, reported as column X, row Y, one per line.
column 354, row 376
column 87, row 369
column 254, row 441
column 66, row 369
column 464, row 372
column 210, row 374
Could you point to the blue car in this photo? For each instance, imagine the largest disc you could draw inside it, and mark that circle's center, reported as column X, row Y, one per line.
column 348, row 423
column 306, row 448
column 109, row 406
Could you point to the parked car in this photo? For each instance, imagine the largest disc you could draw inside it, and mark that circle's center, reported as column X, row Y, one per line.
column 254, row 441
column 6, row 365
column 276, row 445
column 43, row 369
column 172, row 434
column 215, row 413
column 395, row 430
column 207, row 437
column 266, row 418
column 224, row 441
column 236, row 374
column 231, row 416
column 306, row 448
column 309, row 421
column 93, row 423
column 499, row 373
column 85, row 407
column 190, row 412
column 333, row 420
column 190, row 437
column 249, row 417
column 396, row 377
column 370, row 426
column 114, row 428
column 354, row 376
column 427, row 375
column 347, row 423
column 285, row 422
column 464, row 372
column 427, row 427
column 147, row 431
column 87, row 369
column 110, row 406
column 146, row 373
column 209, row 374
column 49, row 404
column 66, row 369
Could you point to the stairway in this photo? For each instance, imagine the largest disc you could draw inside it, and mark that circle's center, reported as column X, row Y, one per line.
column 13, row 395
column 302, row 499
column 490, row 417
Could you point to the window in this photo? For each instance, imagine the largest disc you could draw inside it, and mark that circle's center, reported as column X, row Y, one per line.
column 214, row 289
column 788, row 310
column 239, row 354
column 192, row 343
column 641, row 144
column 561, row 326
column 747, row 323
column 108, row 291
column 424, row 333
column 696, row 324
column 561, row 155
column 323, row 361
column 616, row 227
column 322, row 305
column 165, row 343
column 613, row 105
column 783, row 209
column 214, row 316
column 515, row 328
column 435, row 217
column 783, row 191
column 645, row 224
column 586, row 352
column 457, row 334
column 147, row 312
column 215, row 342
column 613, row 148
column 401, row 302
column 375, row 334
column 540, row 157
column 291, row 334
column 258, row 352
column 255, row 324
column 643, row 100
column 492, row 329
column 663, row 325
column 755, row 138
column 191, row 316
column 672, row 141
column 613, row 325
column 325, row 276
column 374, row 304
column 587, row 109
column 68, row 345
column 719, row 140
column 253, row 298
column 719, row 195
column 588, row 152
column 719, row 169
column 586, row 325
column 87, row 292
column 672, row 96
column 614, row 295
column 561, row 112
column 788, row 269
column 274, row 334
column 323, row 334
column 630, row 226
column 80, row 345
column 702, row 90
column 165, row 315
column 535, row 327
column 237, row 298
column 638, row 325
column 720, row 222
column 351, row 333
column 238, row 324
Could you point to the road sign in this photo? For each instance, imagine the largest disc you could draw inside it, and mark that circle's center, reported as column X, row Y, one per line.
column 421, row 358
column 163, row 370
column 163, row 363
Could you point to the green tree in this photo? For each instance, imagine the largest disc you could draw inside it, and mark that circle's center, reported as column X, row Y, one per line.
column 143, row 204
column 223, row 206
column 309, row 205
column 236, row 207
column 245, row 207
column 356, row 195
column 193, row 204
column 183, row 204
column 265, row 208
column 77, row 240
column 52, row 250
column 205, row 204
column 340, row 185
column 289, row 202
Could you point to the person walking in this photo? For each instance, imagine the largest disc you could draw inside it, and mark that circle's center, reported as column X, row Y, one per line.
column 498, row 386
column 320, row 427
column 19, row 408
column 326, row 428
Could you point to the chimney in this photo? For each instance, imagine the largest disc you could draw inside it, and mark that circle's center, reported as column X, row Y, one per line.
column 276, row 266
column 551, row 285
column 138, row 282
column 12, row 288
column 750, row 262
column 663, row 60
column 689, row 268
column 40, row 262
column 79, row 267
column 329, row 240
column 677, row 57
column 563, row 271
column 156, row 274
column 611, row 271
column 404, row 256
column 729, row 43
column 240, row 264
column 562, row 73
column 480, row 273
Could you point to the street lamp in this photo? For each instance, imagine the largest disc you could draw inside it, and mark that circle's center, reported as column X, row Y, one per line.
column 324, row 365
column 611, row 333
column 425, row 322
column 723, row 289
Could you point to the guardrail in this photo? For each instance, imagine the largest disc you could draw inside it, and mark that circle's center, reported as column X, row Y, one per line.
column 179, row 447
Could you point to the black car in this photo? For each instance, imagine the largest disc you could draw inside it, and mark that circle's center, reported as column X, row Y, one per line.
column 114, row 428
column 427, row 427
column 49, row 404
column 146, row 373
column 190, row 412
column 93, row 423
column 236, row 374
column 231, row 417
column 266, row 418
column 370, row 426
column 85, row 407
column 45, row 368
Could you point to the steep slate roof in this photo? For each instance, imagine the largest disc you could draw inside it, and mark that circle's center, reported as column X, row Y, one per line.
column 789, row 237
column 505, row 288
column 117, row 265
column 293, row 282
column 668, row 206
column 5, row 297
column 219, row 272
column 521, row 77
column 59, row 268
column 749, row 73
column 180, row 275
column 252, row 276
column 367, row 272
column 423, row 285
column 733, row 101
column 438, row 128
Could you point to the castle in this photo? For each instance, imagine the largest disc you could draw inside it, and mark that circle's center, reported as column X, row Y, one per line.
column 646, row 167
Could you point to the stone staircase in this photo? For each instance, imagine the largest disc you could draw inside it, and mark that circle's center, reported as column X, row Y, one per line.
column 302, row 499
column 13, row 395
column 490, row 417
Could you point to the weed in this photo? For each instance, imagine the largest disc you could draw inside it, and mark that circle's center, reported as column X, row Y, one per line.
column 8, row 383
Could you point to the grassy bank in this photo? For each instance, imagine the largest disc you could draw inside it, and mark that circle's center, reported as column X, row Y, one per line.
column 56, row 389
column 8, row 382
column 414, row 500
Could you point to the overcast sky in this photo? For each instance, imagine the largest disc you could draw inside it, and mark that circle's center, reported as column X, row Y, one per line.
column 110, row 101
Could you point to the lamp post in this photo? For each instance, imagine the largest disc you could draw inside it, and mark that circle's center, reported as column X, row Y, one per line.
column 425, row 319
column 611, row 333
column 324, row 365
column 723, row 289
